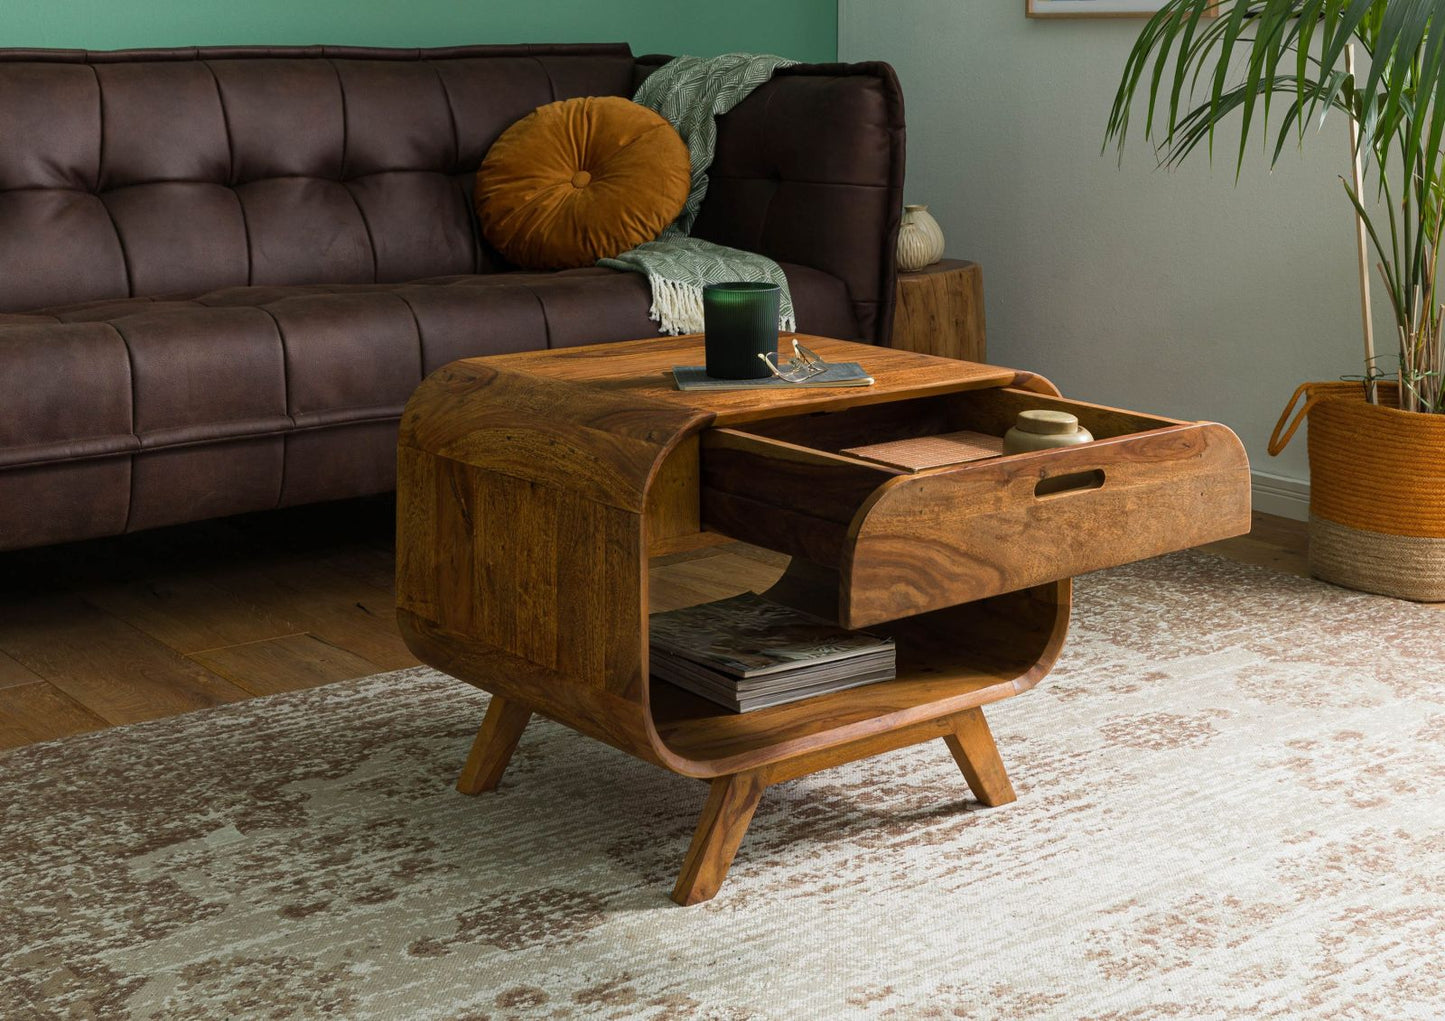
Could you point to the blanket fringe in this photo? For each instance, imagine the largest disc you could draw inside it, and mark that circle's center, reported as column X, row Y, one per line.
column 677, row 308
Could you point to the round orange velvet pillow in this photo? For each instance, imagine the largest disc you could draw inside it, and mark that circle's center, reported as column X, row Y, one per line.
column 581, row 180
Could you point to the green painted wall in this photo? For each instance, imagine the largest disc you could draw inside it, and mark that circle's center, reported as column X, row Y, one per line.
column 802, row 29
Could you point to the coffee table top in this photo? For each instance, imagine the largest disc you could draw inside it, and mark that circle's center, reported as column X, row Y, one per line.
column 643, row 368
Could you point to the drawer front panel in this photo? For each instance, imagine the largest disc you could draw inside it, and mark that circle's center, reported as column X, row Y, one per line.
column 935, row 539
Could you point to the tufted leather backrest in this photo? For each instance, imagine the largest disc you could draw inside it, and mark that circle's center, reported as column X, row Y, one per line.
column 809, row 169
column 158, row 172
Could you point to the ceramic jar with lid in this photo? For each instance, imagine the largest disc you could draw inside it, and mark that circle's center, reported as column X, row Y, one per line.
column 1042, row 429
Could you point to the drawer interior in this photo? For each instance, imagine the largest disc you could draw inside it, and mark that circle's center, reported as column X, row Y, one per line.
column 991, row 411
column 908, row 542
column 785, row 483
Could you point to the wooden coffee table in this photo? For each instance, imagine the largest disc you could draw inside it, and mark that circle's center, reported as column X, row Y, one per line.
column 533, row 488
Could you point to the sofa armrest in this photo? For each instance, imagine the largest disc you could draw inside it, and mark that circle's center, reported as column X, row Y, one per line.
column 809, row 169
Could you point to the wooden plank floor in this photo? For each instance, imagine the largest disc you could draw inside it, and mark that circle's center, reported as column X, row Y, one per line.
column 119, row 630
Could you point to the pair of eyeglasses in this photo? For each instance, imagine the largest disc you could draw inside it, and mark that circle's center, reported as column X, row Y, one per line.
column 804, row 364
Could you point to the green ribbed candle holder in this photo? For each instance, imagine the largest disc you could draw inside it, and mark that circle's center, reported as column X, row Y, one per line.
column 740, row 322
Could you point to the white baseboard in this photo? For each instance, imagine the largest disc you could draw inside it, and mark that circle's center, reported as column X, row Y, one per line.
column 1289, row 498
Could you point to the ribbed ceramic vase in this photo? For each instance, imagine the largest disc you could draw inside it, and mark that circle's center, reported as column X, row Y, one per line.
column 920, row 239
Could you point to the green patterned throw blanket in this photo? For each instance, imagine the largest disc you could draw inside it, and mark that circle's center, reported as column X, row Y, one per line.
column 691, row 92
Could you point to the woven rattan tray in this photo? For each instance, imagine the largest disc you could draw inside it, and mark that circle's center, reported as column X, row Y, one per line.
column 931, row 451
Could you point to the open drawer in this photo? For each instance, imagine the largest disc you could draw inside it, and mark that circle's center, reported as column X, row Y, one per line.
column 905, row 543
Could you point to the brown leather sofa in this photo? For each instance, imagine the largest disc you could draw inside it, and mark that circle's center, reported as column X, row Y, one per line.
column 223, row 271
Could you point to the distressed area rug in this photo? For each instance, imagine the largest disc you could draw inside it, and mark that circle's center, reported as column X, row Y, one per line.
column 1231, row 805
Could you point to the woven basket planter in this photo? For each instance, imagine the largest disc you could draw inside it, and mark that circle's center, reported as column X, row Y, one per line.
column 1377, row 491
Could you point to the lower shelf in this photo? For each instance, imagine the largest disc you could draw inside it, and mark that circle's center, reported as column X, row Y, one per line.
column 948, row 660
column 701, row 730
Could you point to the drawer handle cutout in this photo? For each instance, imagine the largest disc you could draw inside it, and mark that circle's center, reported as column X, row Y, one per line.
column 1073, row 482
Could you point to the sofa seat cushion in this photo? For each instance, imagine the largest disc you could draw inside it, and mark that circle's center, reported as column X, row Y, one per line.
column 138, row 374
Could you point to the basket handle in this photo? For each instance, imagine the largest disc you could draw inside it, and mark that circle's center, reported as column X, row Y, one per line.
column 1314, row 393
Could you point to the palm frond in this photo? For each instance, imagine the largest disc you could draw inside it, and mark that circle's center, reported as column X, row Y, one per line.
column 1279, row 61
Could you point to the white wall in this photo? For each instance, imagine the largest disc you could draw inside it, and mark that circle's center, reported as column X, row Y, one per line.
column 1174, row 292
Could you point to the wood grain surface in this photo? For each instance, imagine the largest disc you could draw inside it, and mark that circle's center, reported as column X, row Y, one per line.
column 974, row 750
column 907, row 543
column 988, row 527
column 600, row 443
column 117, row 672
column 730, row 806
column 640, row 370
column 289, row 663
column 12, row 673
column 495, row 742
column 940, row 311
column 40, row 711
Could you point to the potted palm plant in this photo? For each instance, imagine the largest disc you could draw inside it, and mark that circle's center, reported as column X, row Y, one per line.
column 1377, row 475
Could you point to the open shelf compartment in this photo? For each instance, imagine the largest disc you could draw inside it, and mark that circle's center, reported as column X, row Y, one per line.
column 948, row 660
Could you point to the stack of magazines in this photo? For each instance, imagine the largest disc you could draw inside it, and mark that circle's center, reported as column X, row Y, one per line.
column 748, row 652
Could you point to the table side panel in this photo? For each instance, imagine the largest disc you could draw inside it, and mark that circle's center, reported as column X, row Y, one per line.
column 522, row 540
column 597, row 712
column 570, row 436
column 536, row 572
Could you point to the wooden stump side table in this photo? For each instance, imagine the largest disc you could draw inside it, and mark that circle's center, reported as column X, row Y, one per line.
column 940, row 311
column 532, row 489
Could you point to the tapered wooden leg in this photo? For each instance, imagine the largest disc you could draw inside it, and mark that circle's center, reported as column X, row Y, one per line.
column 501, row 729
column 977, row 756
column 725, row 817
